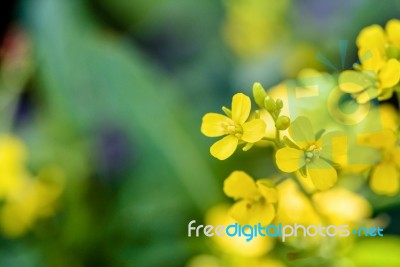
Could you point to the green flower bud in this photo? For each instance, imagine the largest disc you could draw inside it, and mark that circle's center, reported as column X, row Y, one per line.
column 227, row 111
column 282, row 123
column 269, row 104
column 279, row 104
column 259, row 94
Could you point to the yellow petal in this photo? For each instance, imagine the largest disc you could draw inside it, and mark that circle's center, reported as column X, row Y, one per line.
column 224, row 148
column 301, row 130
column 213, row 124
column 253, row 130
column 393, row 31
column 385, row 179
column 396, row 156
column 390, row 73
column 351, row 81
column 371, row 58
column 334, row 147
column 246, row 212
column 241, row 106
column 289, row 159
column 240, row 185
column 389, row 117
column 372, row 36
column 322, row 174
column 367, row 95
column 385, row 139
column 269, row 193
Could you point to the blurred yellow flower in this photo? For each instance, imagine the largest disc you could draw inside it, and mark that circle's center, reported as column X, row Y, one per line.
column 341, row 206
column 236, row 245
column 256, row 200
column 385, row 176
column 311, row 154
column 25, row 198
column 234, row 126
column 251, row 27
column 12, row 166
column 36, row 200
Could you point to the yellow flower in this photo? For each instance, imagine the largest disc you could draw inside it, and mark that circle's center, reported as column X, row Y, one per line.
column 25, row 199
column 375, row 37
column 255, row 200
column 385, row 176
column 35, row 200
column 379, row 51
column 311, row 154
column 236, row 245
column 12, row 166
column 370, row 84
column 341, row 206
column 234, row 126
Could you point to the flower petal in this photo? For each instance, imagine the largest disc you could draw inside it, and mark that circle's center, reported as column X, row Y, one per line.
column 371, row 58
column 372, row 36
column 268, row 192
column 213, row 124
column 322, row 174
column 367, row 95
column 334, row 147
column 351, row 81
column 393, row 31
column 224, row 148
column 240, row 185
column 301, row 130
column 385, row 179
column 248, row 213
column 253, row 130
column 241, row 106
column 396, row 156
column 289, row 159
column 390, row 73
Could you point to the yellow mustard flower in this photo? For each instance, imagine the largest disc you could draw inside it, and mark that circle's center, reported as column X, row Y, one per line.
column 25, row 199
column 375, row 37
column 233, row 126
column 255, row 200
column 36, row 200
column 379, row 51
column 385, row 175
column 12, row 166
column 312, row 155
column 370, row 84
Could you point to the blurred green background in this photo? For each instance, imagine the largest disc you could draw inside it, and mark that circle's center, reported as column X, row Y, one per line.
column 112, row 93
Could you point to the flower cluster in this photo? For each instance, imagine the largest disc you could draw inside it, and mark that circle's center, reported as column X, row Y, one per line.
column 378, row 73
column 321, row 162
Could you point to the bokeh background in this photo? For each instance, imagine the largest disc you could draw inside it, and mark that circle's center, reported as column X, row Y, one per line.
column 108, row 97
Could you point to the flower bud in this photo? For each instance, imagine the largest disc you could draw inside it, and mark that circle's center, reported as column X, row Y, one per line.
column 279, row 104
column 282, row 123
column 259, row 94
column 227, row 111
column 269, row 104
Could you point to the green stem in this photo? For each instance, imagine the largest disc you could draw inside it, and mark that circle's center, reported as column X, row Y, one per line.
column 278, row 138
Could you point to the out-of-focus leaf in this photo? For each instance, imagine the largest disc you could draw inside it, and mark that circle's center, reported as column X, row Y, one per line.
column 92, row 78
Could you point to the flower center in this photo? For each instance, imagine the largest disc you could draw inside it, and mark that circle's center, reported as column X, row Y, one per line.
column 233, row 129
column 312, row 153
